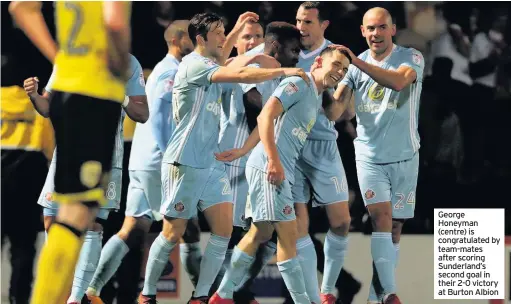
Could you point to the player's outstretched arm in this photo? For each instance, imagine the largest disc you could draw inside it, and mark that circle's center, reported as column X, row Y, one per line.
column 254, row 75
column 41, row 102
column 233, row 154
column 29, row 18
column 116, row 15
column 335, row 105
column 263, row 60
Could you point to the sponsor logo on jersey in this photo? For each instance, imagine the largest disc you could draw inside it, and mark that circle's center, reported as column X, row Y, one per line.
column 215, row 107
column 376, row 92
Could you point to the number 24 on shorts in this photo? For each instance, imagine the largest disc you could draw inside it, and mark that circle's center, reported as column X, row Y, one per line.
column 401, row 198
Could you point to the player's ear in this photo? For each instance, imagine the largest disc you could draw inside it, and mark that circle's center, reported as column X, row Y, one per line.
column 200, row 40
column 325, row 24
column 362, row 30
column 393, row 28
column 318, row 61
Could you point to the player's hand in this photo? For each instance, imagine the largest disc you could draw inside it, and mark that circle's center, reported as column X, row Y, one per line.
column 243, row 19
column 275, row 172
column 344, row 48
column 31, row 86
column 266, row 61
column 229, row 155
column 297, row 72
column 229, row 60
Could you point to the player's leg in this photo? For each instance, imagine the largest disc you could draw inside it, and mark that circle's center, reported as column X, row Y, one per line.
column 304, row 245
column 89, row 258
column 143, row 199
column 216, row 204
column 189, row 250
column 236, row 176
column 330, row 189
column 84, row 160
column 403, row 178
column 244, row 253
column 376, row 190
column 181, row 190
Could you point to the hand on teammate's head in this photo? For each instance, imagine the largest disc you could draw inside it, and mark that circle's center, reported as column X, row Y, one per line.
column 244, row 19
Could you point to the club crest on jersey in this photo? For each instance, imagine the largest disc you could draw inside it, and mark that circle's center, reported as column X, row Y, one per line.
column 179, row 207
column 291, row 88
column 369, row 194
column 141, row 79
column 287, row 210
column 49, row 197
column 417, row 59
column 169, row 84
column 376, row 92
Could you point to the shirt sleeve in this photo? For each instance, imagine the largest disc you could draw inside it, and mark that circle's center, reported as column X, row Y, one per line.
column 136, row 84
column 414, row 59
column 161, row 122
column 200, row 72
column 349, row 78
column 289, row 91
column 51, row 81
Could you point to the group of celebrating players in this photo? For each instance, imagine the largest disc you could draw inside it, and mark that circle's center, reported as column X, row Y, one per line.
column 248, row 141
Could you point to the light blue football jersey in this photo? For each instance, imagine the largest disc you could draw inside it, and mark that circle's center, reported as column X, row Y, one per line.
column 197, row 107
column 135, row 86
column 386, row 119
column 301, row 103
column 234, row 129
column 324, row 128
column 145, row 153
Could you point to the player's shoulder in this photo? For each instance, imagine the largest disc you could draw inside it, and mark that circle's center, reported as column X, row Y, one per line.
column 293, row 84
column 408, row 51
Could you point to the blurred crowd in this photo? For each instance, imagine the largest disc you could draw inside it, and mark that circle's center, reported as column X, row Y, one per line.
column 465, row 104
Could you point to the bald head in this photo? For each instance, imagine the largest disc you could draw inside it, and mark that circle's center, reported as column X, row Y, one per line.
column 377, row 13
column 377, row 27
column 176, row 30
column 177, row 38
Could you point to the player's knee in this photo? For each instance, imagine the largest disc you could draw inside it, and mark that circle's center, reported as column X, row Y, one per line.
column 260, row 233
column 174, row 229
column 381, row 216
column 341, row 226
column 223, row 231
column 96, row 226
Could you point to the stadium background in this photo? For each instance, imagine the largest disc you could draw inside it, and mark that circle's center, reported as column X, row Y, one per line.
column 465, row 159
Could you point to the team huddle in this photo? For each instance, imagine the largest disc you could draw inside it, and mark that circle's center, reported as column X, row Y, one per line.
column 248, row 141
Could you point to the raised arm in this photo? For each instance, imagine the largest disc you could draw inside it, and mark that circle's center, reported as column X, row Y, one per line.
column 116, row 15
column 396, row 80
column 233, row 35
column 29, row 18
column 335, row 105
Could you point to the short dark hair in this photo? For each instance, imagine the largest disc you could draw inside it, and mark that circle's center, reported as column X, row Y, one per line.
column 281, row 32
column 331, row 50
column 200, row 24
column 323, row 12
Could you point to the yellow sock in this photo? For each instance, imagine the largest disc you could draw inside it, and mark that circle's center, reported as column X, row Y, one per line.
column 56, row 266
